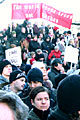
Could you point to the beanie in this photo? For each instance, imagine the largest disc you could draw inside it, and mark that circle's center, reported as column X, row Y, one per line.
column 16, row 74
column 35, row 74
column 68, row 94
column 27, row 68
column 58, row 78
column 3, row 63
column 41, row 55
column 55, row 62
column 55, row 28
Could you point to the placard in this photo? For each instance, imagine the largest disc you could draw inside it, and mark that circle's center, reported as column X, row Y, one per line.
column 71, row 54
column 14, row 56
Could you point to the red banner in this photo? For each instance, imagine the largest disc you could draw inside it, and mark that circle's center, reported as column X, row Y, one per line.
column 40, row 10
column 26, row 11
column 56, row 16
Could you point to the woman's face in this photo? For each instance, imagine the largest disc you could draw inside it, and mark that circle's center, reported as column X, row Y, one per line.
column 41, row 101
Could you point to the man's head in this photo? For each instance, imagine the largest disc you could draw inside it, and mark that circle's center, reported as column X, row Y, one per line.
column 40, row 98
column 78, row 35
column 12, row 107
column 56, row 48
column 17, row 80
column 35, row 77
column 68, row 94
column 42, row 67
column 5, row 68
column 56, row 63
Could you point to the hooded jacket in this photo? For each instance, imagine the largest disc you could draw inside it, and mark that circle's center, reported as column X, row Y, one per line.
column 68, row 99
column 3, row 81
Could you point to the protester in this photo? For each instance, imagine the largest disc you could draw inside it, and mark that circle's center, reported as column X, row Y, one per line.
column 47, row 45
column 68, row 99
column 56, row 69
column 17, row 81
column 46, row 80
column 35, row 79
column 32, row 59
column 12, row 107
column 56, row 52
column 14, row 42
column 40, row 99
column 5, row 70
column 33, row 44
column 42, row 67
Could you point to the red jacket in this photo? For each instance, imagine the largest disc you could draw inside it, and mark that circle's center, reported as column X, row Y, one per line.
column 56, row 54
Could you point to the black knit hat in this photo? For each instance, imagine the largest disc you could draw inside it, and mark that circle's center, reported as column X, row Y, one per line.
column 35, row 74
column 16, row 74
column 68, row 94
column 3, row 63
column 58, row 78
column 27, row 68
column 55, row 62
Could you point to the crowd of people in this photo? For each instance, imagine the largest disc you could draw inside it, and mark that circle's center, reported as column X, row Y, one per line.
column 44, row 86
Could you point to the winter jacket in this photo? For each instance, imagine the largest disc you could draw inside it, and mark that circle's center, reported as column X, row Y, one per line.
column 35, row 29
column 56, row 54
column 57, row 114
column 36, row 114
column 3, row 81
column 34, row 45
column 52, row 74
column 47, row 46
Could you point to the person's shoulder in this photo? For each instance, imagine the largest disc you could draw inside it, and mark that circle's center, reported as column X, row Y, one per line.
column 3, row 79
column 32, row 115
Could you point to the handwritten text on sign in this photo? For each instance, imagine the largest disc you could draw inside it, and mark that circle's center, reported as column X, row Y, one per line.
column 14, row 56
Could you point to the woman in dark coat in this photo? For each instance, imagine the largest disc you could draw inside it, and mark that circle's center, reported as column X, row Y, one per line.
column 40, row 99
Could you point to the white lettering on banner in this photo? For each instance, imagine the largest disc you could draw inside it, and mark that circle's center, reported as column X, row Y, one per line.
column 68, row 16
column 71, row 17
column 45, row 7
column 48, row 8
column 38, row 6
column 29, row 15
column 32, row 6
column 62, row 14
column 26, row 6
column 17, row 7
column 45, row 16
column 65, row 15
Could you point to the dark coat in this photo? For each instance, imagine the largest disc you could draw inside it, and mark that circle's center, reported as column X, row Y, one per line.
column 57, row 114
column 36, row 114
column 47, row 46
column 3, row 81
column 52, row 74
column 35, row 29
column 34, row 45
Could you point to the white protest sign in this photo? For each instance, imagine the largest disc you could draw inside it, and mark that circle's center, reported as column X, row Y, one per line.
column 71, row 54
column 14, row 55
